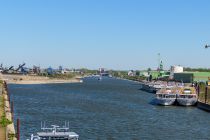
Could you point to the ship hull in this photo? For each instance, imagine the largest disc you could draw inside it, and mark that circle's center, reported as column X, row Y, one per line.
column 165, row 101
column 187, row 102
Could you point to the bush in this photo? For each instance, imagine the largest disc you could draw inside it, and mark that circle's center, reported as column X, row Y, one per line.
column 4, row 121
column 11, row 136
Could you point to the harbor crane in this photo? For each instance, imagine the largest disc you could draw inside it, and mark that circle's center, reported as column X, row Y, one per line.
column 20, row 66
column 6, row 70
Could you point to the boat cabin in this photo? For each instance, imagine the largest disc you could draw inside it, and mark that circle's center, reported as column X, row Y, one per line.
column 55, row 133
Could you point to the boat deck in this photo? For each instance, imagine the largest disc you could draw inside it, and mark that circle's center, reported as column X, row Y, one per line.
column 57, row 134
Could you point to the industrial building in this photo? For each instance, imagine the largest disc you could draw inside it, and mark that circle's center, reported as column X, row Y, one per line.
column 175, row 69
column 184, row 77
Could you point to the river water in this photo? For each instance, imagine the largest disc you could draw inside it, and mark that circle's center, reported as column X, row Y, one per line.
column 110, row 109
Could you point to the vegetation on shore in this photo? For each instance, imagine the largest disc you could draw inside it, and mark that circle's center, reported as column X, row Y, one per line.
column 2, row 116
column 71, row 75
column 3, row 120
column 197, row 69
column 63, row 76
column 124, row 75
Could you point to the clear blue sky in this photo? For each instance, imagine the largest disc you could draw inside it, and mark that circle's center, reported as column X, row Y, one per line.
column 117, row 34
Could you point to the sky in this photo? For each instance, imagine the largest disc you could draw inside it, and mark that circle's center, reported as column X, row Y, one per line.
column 114, row 34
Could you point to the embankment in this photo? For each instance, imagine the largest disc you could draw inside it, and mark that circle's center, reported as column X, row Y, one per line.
column 6, row 120
column 30, row 79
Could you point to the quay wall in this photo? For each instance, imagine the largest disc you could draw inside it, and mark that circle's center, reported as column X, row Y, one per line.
column 203, row 106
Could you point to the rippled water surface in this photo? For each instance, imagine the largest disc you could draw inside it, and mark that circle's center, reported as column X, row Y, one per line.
column 109, row 109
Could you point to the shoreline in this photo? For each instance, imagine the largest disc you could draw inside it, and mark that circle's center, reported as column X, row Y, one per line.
column 6, row 113
column 28, row 79
column 33, row 82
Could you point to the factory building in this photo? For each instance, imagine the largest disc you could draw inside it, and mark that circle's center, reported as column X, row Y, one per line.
column 175, row 69
column 184, row 77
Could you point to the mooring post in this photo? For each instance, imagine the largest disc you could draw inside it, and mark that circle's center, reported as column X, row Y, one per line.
column 12, row 110
column 206, row 91
column 198, row 90
column 18, row 129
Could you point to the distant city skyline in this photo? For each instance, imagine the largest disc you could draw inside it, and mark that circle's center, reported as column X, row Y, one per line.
column 113, row 34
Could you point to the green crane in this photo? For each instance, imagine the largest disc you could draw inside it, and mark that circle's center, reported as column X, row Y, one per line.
column 160, row 66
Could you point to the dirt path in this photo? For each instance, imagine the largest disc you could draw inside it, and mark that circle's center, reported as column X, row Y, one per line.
column 2, row 130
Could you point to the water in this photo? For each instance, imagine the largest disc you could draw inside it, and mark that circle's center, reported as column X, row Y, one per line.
column 110, row 109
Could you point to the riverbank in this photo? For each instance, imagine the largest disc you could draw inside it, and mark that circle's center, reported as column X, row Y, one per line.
column 2, row 129
column 32, row 79
column 7, row 129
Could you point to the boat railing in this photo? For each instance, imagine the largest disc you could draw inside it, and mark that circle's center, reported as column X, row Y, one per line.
column 54, row 128
column 187, row 96
column 166, row 95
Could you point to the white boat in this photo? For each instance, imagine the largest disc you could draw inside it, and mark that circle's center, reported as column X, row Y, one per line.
column 159, row 86
column 187, row 97
column 55, row 133
column 166, row 96
column 148, row 87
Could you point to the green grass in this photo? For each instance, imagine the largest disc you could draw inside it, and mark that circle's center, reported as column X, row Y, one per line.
column 4, row 121
column 154, row 74
column 200, row 76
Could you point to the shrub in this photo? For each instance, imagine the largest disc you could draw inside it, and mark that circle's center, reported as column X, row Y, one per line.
column 4, row 121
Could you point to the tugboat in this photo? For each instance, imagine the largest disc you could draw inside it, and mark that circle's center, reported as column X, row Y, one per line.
column 55, row 133
column 187, row 97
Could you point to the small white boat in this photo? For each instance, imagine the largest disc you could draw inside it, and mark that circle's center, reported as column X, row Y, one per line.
column 187, row 97
column 55, row 133
column 166, row 96
column 148, row 87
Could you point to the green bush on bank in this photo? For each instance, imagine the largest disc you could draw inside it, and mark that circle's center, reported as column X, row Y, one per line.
column 63, row 76
column 11, row 136
column 4, row 121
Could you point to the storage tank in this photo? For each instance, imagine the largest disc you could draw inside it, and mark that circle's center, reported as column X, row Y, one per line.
column 175, row 69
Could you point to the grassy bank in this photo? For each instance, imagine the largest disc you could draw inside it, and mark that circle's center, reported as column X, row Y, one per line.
column 2, row 116
column 65, row 76
column 124, row 75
